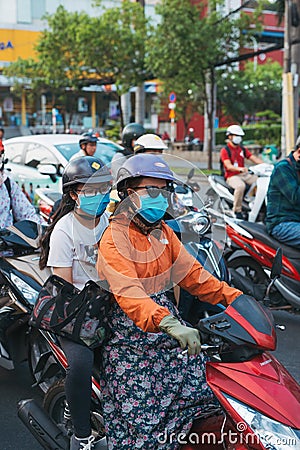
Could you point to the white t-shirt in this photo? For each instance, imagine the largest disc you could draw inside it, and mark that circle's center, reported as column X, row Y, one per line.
column 74, row 245
column 79, row 154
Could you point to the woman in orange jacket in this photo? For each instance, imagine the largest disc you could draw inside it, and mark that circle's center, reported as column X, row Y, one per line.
column 148, row 391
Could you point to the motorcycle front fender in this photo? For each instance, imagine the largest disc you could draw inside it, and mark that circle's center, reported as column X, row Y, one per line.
column 262, row 383
column 260, row 198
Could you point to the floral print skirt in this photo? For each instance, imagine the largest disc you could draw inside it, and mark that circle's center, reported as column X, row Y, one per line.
column 150, row 395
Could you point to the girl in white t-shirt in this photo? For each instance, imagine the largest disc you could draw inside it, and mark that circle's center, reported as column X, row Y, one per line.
column 70, row 247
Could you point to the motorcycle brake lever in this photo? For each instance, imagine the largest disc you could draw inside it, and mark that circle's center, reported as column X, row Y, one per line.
column 204, row 348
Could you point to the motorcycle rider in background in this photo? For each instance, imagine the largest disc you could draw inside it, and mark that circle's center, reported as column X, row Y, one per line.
column 69, row 247
column 283, row 206
column 153, row 144
column 88, row 145
column 236, row 174
column 149, row 143
column 130, row 134
column 146, row 390
column 14, row 206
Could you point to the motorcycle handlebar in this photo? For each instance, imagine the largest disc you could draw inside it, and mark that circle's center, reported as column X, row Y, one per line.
column 206, row 348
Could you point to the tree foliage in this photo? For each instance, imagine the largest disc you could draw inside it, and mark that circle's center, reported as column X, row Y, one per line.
column 250, row 91
column 113, row 45
column 189, row 42
column 77, row 50
column 58, row 64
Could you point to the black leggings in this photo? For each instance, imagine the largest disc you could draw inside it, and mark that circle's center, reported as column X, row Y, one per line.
column 78, row 385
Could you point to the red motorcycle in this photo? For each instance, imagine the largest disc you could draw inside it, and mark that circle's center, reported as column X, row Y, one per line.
column 249, row 254
column 259, row 400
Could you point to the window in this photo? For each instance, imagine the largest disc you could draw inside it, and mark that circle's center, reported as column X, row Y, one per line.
column 24, row 11
column 14, row 152
column 105, row 151
column 38, row 9
column 38, row 154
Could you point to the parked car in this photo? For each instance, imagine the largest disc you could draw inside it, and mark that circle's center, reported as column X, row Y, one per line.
column 40, row 159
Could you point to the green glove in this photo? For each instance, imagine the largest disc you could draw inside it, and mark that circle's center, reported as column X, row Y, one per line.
column 186, row 336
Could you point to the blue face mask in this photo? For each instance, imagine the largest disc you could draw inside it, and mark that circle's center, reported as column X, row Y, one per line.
column 153, row 209
column 94, row 206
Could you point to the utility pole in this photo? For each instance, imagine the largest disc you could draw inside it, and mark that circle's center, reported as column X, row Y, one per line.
column 295, row 59
column 140, row 91
column 290, row 86
column 287, row 99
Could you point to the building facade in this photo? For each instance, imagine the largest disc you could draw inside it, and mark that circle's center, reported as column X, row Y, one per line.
column 21, row 22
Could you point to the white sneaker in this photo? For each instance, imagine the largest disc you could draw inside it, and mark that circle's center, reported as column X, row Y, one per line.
column 81, row 443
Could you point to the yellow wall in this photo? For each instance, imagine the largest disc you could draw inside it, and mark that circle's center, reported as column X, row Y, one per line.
column 22, row 42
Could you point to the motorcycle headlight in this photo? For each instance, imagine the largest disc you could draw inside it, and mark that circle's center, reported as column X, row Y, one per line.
column 27, row 291
column 273, row 435
column 199, row 223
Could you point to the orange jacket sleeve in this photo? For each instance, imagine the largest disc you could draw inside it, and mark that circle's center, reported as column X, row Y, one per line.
column 116, row 266
column 190, row 275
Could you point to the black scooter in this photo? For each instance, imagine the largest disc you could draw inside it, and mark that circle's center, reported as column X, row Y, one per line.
column 21, row 280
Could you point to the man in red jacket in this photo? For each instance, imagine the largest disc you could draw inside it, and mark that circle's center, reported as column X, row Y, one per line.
column 233, row 157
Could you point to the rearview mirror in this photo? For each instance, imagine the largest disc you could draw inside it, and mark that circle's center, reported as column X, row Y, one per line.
column 47, row 169
column 277, row 264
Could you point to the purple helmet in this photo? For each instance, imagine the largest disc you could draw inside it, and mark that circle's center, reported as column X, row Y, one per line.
column 143, row 165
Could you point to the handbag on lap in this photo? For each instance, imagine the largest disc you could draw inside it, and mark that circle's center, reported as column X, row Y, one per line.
column 68, row 312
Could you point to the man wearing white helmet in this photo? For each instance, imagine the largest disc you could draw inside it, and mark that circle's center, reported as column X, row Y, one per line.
column 149, row 143
column 232, row 158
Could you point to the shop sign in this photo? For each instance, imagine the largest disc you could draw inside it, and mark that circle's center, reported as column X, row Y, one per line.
column 5, row 45
column 8, row 104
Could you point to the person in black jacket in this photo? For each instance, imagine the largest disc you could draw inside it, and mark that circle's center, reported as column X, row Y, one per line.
column 130, row 134
column 283, row 206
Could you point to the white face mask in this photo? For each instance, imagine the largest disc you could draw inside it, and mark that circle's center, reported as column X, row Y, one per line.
column 237, row 140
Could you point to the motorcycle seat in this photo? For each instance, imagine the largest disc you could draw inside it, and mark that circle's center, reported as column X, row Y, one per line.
column 221, row 180
column 259, row 231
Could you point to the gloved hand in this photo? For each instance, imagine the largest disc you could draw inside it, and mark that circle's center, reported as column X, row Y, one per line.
column 186, row 336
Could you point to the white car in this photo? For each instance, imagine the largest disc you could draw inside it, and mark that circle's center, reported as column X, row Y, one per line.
column 40, row 159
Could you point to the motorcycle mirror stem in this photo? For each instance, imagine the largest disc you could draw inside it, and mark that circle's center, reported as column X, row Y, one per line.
column 277, row 265
column 275, row 274
column 191, row 174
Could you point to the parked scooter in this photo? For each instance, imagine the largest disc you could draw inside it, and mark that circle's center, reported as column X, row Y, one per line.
column 21, row 281
column 254, row 202
column 259, row 400
column 250, row 253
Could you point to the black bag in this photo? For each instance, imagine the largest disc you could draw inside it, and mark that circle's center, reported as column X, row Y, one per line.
column 77, row 315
